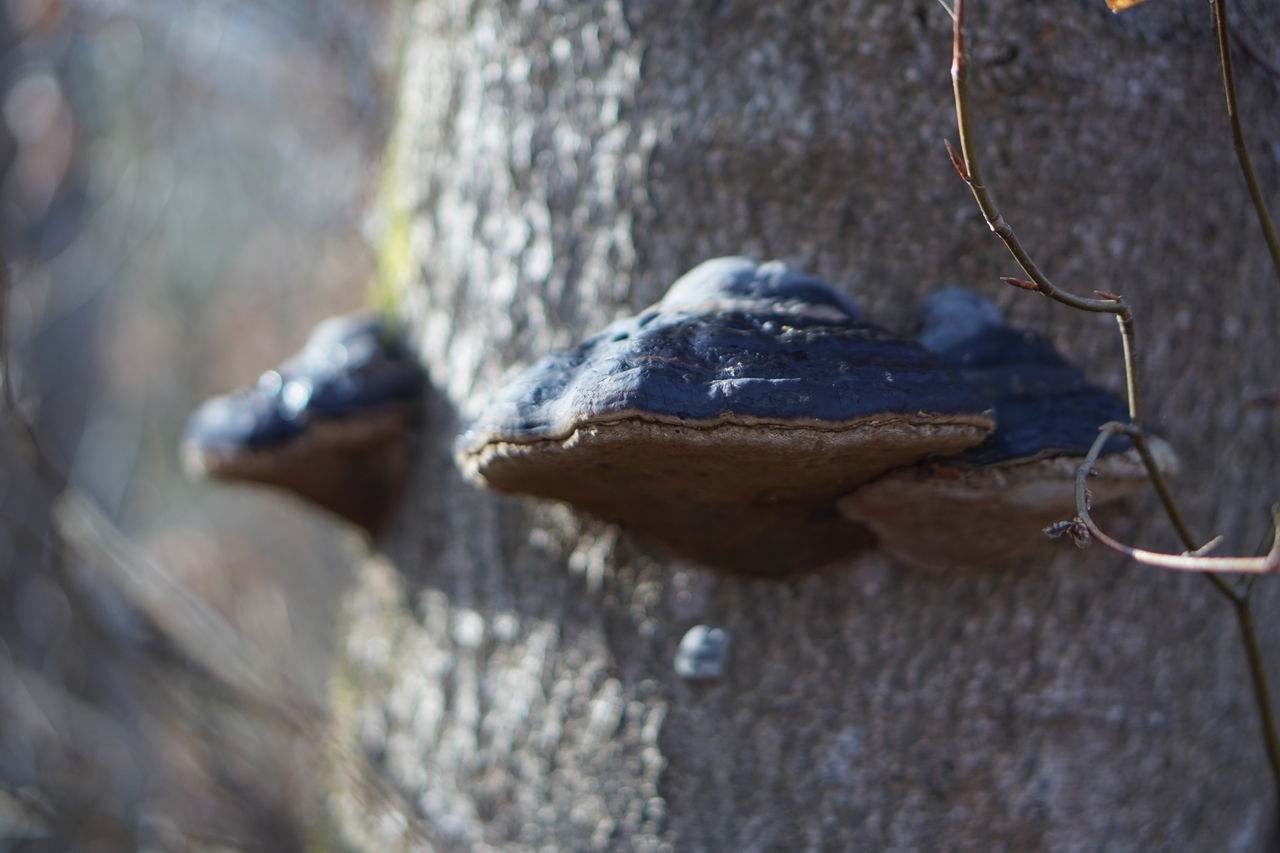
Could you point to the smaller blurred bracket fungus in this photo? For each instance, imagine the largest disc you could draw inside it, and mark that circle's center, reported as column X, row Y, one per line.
column 330, row 424
column 992, row 502
column 703, row 654
column 726, row 420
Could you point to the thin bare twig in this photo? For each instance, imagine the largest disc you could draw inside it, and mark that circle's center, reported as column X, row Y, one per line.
column 1195, row 558
column 1258, row 673
column 967, row 165
column 209, row 649
column 1171, row 509
column 1185, row 561
column 46, row 468
column 969, row 169
column 184, row 618
column 1223, row 31
column 1208, row 566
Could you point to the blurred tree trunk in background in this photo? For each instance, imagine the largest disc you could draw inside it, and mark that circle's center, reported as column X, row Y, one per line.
column 556, row 166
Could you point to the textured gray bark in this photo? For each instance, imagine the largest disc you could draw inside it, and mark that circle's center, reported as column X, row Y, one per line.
column 509, row 665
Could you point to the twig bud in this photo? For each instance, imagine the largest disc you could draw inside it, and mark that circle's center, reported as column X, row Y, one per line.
column 1019, row 282
column 1075, row 530
column 957, row 162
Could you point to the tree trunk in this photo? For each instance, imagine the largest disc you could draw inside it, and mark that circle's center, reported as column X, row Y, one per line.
column 556, row 166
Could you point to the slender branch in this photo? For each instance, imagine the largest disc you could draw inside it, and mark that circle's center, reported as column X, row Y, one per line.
column 966, row 163
column 1194, row 559
column 1240, row 597
column 1223, row 30
column 967, row 166
column 6, row 284
column 46, row 468
column 1185, row 561
column 1237, row 596
column 1222, row 586
column 1258, row 672
column 1161, row 485
column 195, row 628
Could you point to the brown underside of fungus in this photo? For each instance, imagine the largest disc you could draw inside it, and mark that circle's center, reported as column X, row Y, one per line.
column 992, row 503
column 330, row 425
column 725, row 421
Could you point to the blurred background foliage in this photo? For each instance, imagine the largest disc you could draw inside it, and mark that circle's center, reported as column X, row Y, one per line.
column 183, row 186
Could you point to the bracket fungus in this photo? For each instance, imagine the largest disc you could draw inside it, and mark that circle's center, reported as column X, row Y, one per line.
column 991, row 503
column 330, row 424
column 726, row 420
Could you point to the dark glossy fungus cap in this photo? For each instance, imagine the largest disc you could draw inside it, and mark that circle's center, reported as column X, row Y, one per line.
column 725, row 420
column 353, row 364
column 329, row 424
column 1044, row 405
column 248, row 418
column 734, row 343
column 990, row 503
